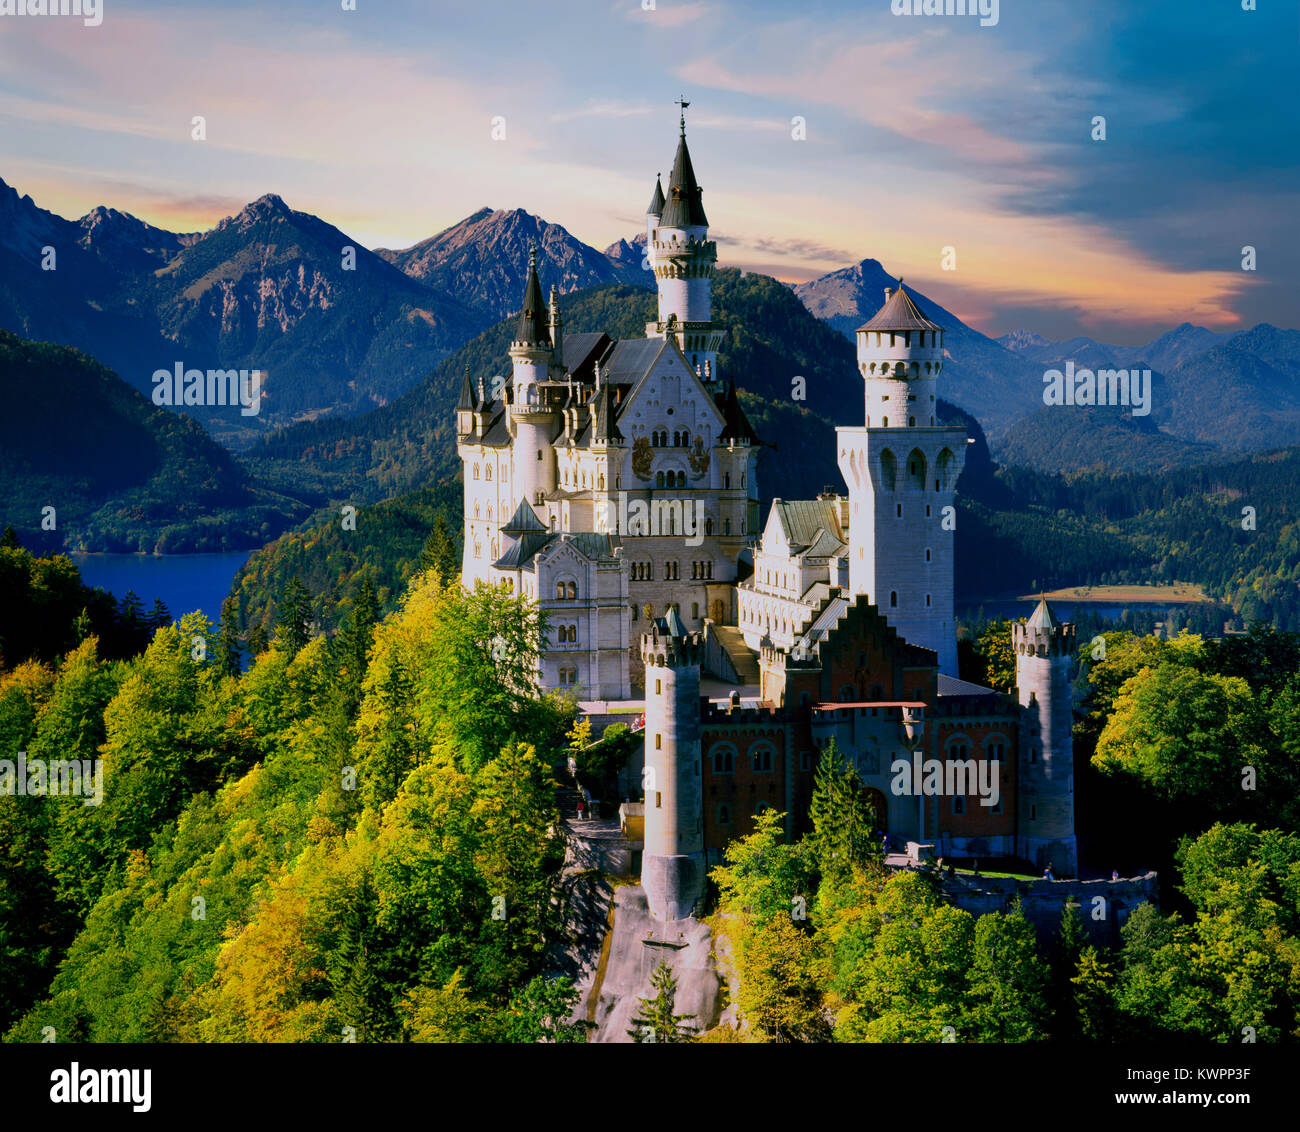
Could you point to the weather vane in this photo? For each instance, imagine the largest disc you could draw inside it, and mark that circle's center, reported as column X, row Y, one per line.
column 683, row 104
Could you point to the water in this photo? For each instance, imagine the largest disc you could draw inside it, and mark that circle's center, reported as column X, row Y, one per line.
column 1016, row 610
column 185, row 582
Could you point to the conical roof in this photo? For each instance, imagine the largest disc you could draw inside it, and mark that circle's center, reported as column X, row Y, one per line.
column 900, row 312
column 684, row 208
column 737, row 425
column 673, row 624
column 523, row 521
column 1042, row 617
column 657, row 201
column 532, row 326
column 466, row 402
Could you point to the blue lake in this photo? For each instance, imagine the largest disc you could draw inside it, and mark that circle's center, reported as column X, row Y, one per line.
column 1015, row 610
column 185, row 582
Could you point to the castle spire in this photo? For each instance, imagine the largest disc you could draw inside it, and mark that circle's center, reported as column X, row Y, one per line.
column 532, row 328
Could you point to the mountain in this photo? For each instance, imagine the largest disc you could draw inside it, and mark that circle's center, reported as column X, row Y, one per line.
column 1162, row 354
column 628, row 253
column 1068, row 438
column 266, row 289
column 769, row 339
column 483, row 260
column 120, row 473
column 997, row 385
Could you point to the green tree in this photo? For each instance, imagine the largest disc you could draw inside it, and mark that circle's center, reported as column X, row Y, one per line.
column 440, row 551
column 843, row 833
column 655, row 1020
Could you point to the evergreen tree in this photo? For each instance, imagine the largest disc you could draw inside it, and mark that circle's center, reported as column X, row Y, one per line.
column 294, row 621
column 9, row 540
column 440, row 552
column 257, row 641
column 158, row 617
column 356, row 637
column 843, row 824
column 1067, row 947
column 230, row 660
column 655, row 1022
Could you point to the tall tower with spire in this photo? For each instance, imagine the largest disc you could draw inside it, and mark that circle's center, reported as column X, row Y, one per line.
column 533, row 423
column 682, row 257
column 1043, row 646
column 902, row 469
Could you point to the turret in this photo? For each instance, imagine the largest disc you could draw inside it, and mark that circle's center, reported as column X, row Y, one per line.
column 533, row 422
column 672, row 865
column 1045, row 829
column 652, row 214
column 900, row 354
column 683, row 257
column 556, row 328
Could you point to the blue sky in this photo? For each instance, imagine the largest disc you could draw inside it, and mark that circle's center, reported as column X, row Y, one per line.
column 922, row 133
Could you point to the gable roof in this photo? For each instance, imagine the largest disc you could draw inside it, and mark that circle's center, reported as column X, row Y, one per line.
column 809, row 524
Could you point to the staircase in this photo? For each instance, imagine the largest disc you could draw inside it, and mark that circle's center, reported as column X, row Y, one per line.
column 743, row 661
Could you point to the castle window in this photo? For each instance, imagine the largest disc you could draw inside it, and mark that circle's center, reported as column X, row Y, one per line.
column 927, row 554
column 659, row 799
column 724, row 814
column 695, row 610
column 847, row 693
column 763, row 760
column 927, row 601
column 487, row 472
column 659, row 479
column 959, row 805
column 893, row 599
column 995, row 752
column 659, row 741
column 761, row 808
column 726, row 479
column 1033, row 813
column 911, row 422
column 805, row 759
column 539, row 453
column 634, row 613
column 927, row 510
column 659, row 687
column 476, row 471
column 559, row 590
column 572, row 589
column 724, row 760
column 885, row 422
column 1033, row 754
column 898, row 513
column 803, row 699
column 936, row 482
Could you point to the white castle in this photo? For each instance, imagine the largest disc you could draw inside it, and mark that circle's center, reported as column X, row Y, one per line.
column 613, row 481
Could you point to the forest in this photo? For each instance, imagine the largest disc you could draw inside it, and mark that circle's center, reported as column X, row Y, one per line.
column 358, row 833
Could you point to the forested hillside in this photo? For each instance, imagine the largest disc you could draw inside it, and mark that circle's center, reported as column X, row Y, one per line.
column 120, row 473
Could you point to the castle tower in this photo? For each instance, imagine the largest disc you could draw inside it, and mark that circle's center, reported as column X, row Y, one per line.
column 653, row 212
column 533, row 423
column 1045, row 825
column 672, row 865
column 682, row 256
column 902, row 471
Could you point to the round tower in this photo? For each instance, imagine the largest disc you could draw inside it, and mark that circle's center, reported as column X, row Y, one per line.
column 652, row 214
column 1045, row 826
column 533, row 422
column 672, row 864
column 900, row 355
column 902, row 469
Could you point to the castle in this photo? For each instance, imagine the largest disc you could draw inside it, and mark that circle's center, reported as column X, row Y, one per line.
column 614, row 483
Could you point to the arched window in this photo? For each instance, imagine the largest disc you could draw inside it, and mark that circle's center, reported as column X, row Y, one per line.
column 847, row 692
column 763, row 759
column 476, row 471
column 572, row 590
column 659, row 479
column 724, row 760
column 893, row 599
column 724, row 814
column 487, row 472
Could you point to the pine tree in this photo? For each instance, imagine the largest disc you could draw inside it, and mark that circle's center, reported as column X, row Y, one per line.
column 294, row 620
column 440, row 552
column 159, row 617
column 9, row 540
column 257, row 641
column 655, row 1021
column 843, row 823
column 230, row 659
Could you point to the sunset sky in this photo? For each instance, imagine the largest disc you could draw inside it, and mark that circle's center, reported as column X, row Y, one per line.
column 922, row 132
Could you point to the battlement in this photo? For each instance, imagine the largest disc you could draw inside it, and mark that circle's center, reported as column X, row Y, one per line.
column 1056, row 640
column 722, row 714
column 660, row 650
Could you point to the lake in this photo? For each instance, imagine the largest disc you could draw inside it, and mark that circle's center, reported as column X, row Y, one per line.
column 185, row 582
column 1017, row 610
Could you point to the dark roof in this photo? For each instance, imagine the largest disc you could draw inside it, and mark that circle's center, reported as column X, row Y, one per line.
column 900, row 312
column 580, row 352
column 522, row 549
column 523, row 520
column 630, row 360
column 532, row 327
column 657, row 201
column 737, row 424
column 522, row 553
column 807, row 522
column 605, row 426
column 684, row 209
column 467, row 401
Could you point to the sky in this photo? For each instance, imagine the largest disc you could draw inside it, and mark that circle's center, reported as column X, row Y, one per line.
column 920, row 134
